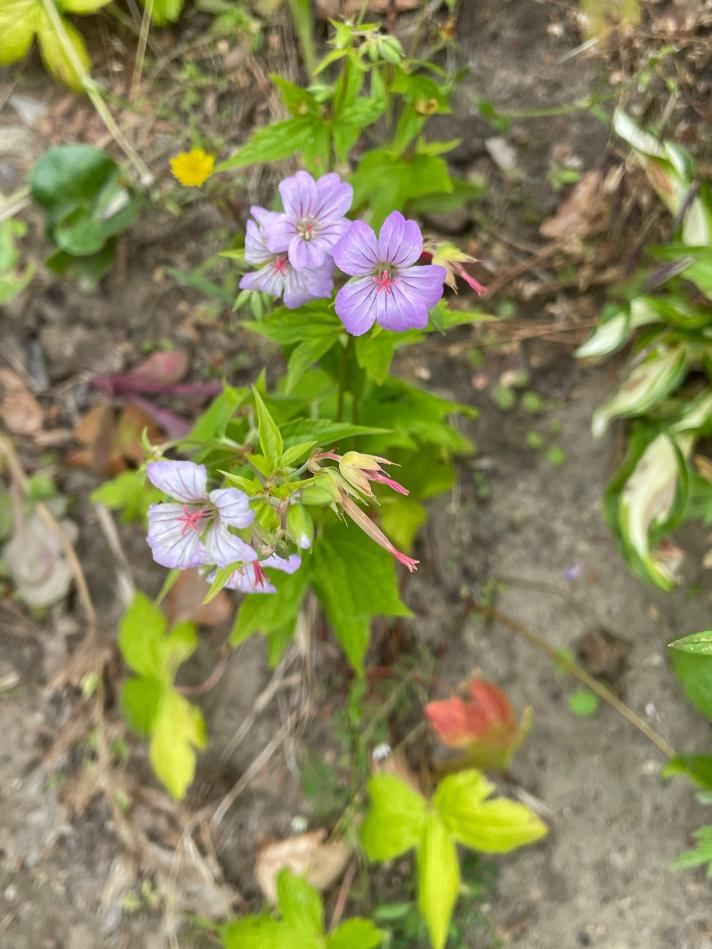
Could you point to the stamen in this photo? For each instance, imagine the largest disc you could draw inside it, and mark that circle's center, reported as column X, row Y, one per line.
column 192, row 520
column 306, row 229
column 280, row 263
column 384, row 281
column 260, row 576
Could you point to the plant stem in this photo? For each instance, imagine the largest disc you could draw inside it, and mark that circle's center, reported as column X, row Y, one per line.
column 574, row 669
column 92, row 91
column 141, row 51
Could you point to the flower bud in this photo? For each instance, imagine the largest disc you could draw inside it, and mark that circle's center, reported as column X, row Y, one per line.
column 300, row 526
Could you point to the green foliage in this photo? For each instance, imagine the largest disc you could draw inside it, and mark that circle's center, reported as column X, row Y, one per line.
column 301, row 925
column 13, row 280
column 401, row 819
column 649, row 496
column 150, row 702
column 129, row 492
column 61, row 45
column 86, row 203
column 583, row 703
column 700, row 855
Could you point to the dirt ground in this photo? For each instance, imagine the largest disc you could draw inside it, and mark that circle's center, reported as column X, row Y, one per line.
column 534, row 539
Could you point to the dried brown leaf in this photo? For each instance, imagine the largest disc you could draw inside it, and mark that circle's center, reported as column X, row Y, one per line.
column 20, row 411
column 322, row 862
column 185, row 601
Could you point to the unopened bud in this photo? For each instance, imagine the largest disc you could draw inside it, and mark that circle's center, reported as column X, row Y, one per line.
column 300, row 526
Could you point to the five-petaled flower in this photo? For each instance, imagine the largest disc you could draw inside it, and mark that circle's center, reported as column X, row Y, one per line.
column 313, row 220
column 192, row 168
column 387, row 287
column 195, row 531
column 276, row 275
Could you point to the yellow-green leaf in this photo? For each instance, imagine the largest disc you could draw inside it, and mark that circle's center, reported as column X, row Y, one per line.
column 178, row 729
column 18, row 25
column 63, row 51
column 395, row 821
column 82, row 6
column 495, row 826
column 438, row 879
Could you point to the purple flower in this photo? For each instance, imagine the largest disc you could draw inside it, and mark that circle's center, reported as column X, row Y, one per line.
column 251, row 578
column 386, row 288
column 195, row 531
column 313, row 220
column 276, row 275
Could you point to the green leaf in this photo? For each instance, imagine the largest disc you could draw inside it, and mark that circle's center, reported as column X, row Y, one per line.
column 374, row 354
column 140, row 700
column 268, row 613
column 212, row 423
column 355, row 580
column 299, row 903
column 583, row 703
column 701, row 854
column 697, row 768
column 355, row 934
column 385, row 181
column 178, row 729
column 55, row 44
column 82, row 6
column 646, row 386
column 324, row 431
column 270, row 437
column 305, row 355
column 129, row 492
column 140, row 631
column 165, row 11
column 260, row 932
column 401, row 519
column 438, row 879
column 698, row 643
column 312, row 321
column 496, row 826
column 694, row 670
column 18, row 25
column 276, row 141
column 395, row 821
column 296, row 453
column 299, row 101
column 84, row 197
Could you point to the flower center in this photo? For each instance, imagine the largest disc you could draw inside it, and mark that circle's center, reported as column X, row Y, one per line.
column 280, row 263
column 383, row 279
column 192, row 520
column 260, row 578
column 307, row 228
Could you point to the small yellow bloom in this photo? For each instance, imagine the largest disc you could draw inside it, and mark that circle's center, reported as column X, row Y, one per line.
column 192, row 168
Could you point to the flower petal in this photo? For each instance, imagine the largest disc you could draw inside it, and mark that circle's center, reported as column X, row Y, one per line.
column 334, row 197
column 256, row 250
column 330, row 233
column 223, row 548
column 423, row 282
column 233, row 507
column 299, row 195
column 399, row 312
column 300, row 286
column 244, row 580
column 268, row 279
column 304, row 255
column 183, row 480
column 400, row 241
column 357, row 251
column 289, row 564
column 171, row 544
column 280, row 233
column 356, row 305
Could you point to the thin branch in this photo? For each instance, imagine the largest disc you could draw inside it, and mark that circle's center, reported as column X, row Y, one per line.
column 141, row 51
column 574, row 669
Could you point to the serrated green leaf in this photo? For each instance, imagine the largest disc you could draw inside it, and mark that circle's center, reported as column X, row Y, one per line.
column 178, row 729
column 355, row 580
column 495, row 826
column 395, row 820
column 270, row 436
column 438, row 879
column 374, row 354
column 299, row 903
column 140, row 699
column 304, row 355
column 324, row 431
column 355, row 934
column 276, row 141
column 269, row 613
column 212, row 423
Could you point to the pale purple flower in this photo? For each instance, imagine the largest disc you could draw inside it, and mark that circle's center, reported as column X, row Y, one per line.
column 251, row 577
column 313, row 220
column 276, row 275
column 386, row 287
column 195, row 531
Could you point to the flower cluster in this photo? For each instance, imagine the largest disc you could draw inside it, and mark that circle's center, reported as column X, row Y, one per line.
column 195, row 529
column 296, row 251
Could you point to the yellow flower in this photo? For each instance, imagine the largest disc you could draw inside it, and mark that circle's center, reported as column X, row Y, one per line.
column 193, row 168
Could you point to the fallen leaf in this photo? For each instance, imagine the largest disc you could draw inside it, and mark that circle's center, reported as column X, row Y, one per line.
column 36, row 561
column 164, row 368
column 309, row 855
column 19, row 409
column 185, row 601
column 111, row 438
